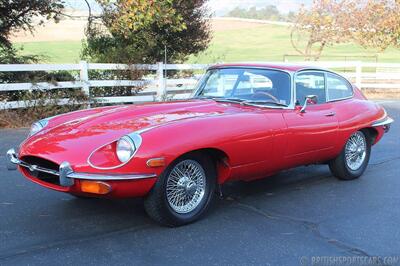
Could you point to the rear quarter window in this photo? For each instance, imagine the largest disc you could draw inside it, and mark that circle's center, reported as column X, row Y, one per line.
column 338, row 88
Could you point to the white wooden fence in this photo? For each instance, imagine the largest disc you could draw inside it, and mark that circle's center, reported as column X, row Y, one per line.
column 365, row 75
column 157, row 87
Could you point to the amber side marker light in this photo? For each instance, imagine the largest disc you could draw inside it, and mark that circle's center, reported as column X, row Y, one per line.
column 95, row 187
column 156, row 162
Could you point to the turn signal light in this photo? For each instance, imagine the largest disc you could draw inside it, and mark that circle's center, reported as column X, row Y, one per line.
column 95, row 187
column 156, row 162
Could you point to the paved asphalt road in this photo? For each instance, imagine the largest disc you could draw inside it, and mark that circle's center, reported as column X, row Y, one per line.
column 285, row 220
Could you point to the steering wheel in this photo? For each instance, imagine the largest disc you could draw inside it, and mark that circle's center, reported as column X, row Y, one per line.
column 269, row 95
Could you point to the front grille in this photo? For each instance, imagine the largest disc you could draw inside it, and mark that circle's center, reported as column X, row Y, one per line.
column 43, row 176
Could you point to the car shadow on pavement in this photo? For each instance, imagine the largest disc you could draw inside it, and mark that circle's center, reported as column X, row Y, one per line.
column 131, row 210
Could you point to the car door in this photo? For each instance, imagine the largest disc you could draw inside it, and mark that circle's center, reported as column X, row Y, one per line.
column 311, row 135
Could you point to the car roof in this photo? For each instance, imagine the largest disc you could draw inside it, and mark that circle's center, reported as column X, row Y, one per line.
column 280, row 66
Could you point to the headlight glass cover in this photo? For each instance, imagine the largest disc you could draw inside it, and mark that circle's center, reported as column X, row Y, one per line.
column 37, row 126
column 125, row 149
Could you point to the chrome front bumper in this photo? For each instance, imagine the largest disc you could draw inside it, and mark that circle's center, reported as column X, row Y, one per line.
column 66, row 174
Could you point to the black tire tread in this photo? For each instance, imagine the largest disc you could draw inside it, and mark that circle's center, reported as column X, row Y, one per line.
column 153, row 203
column 338, row 165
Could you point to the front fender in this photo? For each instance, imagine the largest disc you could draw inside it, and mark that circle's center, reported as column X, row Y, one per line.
column 246, row 139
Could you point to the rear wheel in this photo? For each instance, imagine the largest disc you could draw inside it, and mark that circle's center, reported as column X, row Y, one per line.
column 353, row 160
column 183, row 192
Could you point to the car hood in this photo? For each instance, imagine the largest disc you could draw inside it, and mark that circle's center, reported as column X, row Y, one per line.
column 89, row 130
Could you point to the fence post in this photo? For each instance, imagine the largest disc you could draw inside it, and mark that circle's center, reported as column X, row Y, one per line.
column 84, row 77
column 161, row 86
column 358, row 74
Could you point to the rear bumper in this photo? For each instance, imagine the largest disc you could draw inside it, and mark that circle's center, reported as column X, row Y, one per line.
column 385, row 123
column 129, row 185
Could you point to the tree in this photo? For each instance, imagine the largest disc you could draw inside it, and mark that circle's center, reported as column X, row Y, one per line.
column 237, row 12
column 327, row 22
column 139, row 31
column 370, row 23
column 291, row 16
column 378, row 25
column 25, row 15
column 269, row 12
column 18, row 15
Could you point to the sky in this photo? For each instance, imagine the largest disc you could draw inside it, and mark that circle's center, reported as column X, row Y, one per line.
column 221, row 7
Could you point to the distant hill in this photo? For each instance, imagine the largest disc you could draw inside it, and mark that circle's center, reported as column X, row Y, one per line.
column 70, row 29
column 233, row 40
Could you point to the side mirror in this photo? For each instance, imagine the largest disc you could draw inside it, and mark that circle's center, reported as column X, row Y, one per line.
column 309, row 99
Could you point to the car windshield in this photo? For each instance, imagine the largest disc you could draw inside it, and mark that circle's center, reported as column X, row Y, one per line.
column 246, row 86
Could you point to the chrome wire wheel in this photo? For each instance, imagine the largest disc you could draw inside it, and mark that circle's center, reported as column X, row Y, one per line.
column 356, row 151
column 186, row 185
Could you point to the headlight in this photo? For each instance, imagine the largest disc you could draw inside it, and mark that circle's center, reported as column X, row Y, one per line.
column 37, row 126
column 115, row 154
column 125, row 149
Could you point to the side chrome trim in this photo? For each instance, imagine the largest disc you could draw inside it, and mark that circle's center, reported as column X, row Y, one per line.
column 99, row 177
column 66, row 173
column 383, row 122
column 143, row 130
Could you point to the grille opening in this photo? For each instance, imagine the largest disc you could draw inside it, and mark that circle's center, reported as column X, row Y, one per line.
column 46, row 177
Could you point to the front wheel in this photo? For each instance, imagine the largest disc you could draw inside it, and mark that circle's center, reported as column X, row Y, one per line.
column 353, row 160
column 183, row 192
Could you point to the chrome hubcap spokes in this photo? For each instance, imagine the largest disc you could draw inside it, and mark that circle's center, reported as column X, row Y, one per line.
column 186, row 186
column 356, row 151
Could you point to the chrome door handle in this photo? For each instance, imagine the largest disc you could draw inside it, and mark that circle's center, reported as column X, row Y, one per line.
column 331, row 114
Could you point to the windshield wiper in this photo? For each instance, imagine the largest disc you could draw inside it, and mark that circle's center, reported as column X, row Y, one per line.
column 222, row 99
column 241, row 101
column 230, row 100
column 263, row 103
column 207, row 97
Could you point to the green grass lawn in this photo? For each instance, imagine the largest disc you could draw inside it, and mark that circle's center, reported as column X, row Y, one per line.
column 271, row 43
column 53, row 52
column 265, row 43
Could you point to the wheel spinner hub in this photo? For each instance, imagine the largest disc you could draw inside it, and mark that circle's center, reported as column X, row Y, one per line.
column 356, row 151
column 189, row 186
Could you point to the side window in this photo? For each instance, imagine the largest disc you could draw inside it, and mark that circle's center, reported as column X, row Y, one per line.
column 338, row 88
column 310, row 83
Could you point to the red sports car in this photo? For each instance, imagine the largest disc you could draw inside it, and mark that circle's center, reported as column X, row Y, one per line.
column 244, row 122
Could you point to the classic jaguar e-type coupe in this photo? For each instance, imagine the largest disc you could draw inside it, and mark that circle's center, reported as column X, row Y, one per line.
column 244, row 122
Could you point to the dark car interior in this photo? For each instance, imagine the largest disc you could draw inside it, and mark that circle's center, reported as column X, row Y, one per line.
column 302, row 92
column 310, row 83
